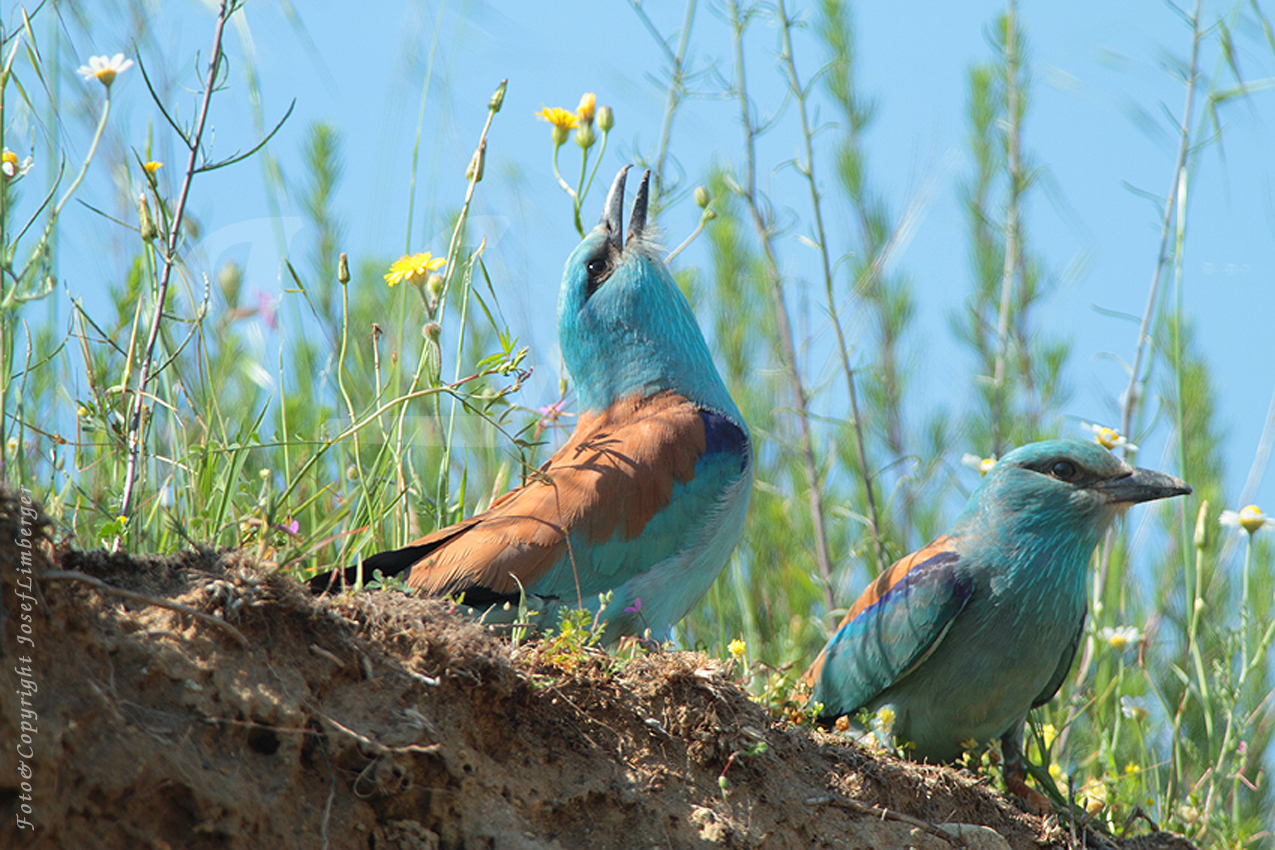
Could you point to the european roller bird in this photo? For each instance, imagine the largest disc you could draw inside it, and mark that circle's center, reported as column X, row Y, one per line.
column 961, row 639
column 647, row 497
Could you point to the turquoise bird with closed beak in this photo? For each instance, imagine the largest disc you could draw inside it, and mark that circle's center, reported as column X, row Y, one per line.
column 961, row 639
column 647, row 498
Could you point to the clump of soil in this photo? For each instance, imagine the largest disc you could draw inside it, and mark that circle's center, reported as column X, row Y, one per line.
column 202, row 700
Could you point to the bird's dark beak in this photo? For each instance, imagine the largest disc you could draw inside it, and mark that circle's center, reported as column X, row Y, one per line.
column 637, row 221
column 1144, row 485
column 613, row 210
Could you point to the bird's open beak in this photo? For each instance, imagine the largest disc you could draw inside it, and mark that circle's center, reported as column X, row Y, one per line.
column 613, row 210
column 1144, row 485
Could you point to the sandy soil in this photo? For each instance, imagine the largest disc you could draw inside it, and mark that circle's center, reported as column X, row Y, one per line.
column 202, row 700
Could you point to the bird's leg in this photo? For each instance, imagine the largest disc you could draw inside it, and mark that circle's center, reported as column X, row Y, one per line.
column 1014, row 770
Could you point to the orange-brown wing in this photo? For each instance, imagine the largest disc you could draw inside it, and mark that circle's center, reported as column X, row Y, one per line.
column 616, row 471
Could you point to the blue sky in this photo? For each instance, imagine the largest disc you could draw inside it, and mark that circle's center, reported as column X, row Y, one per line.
column 1096, row 127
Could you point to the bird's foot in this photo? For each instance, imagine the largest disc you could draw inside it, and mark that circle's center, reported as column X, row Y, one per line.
column 1035, row 801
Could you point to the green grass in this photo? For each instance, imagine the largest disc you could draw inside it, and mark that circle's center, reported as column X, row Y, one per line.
column 143, row 429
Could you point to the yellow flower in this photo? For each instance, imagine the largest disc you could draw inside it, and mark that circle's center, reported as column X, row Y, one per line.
column 152, row 166
column 1093, row 795
column 588, row 103
column 737, row 648
column 1250, row 518
column 1049, row 734
column 561, row 120
column 105, row 69
column 413, row 267
column 884, row 721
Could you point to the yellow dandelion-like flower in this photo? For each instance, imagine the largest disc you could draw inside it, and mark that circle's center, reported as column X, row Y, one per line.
column 105, row 69
column 1249, row 518
column 558, row 117
column 152, row 166
column 884, row 721
column 588, row 105
column 737, row 648
column 561, row 122
column 413, row 267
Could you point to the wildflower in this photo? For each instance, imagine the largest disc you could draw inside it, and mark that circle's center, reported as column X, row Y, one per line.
column 636, row 607
column 982, row 464
column 561, row 121
column 413, row 266
column 1132, row 708
column 606, row 119
column 268, row 310
column 1121, row 637
column 585, row 111
column 550, row 413
column 105, row 70
column 737, row 648
column 1093, row 795
column 1250, row 518
column 884, row 721
column 702, row 196
column 1048, row 733
column 264, row 474
column 152, row 166
column 12, row 445
column 291, row 527
column 121, row 520
column 11, row 167
column 1108, row 438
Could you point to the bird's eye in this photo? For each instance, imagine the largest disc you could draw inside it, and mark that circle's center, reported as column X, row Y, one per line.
column 596, row 267
column 1063, row 470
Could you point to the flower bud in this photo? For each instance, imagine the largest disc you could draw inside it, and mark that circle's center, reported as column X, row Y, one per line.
column 559, row 134
column 587, row 107
column 498, row 97
column 1201, row 526
column 702, row 196
column 432, row 331
column 606, row 119
column 230, row 280
column 474, row 173
column 343, row 269
column 434, row 286
column 585, row 137
column 146, row 224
